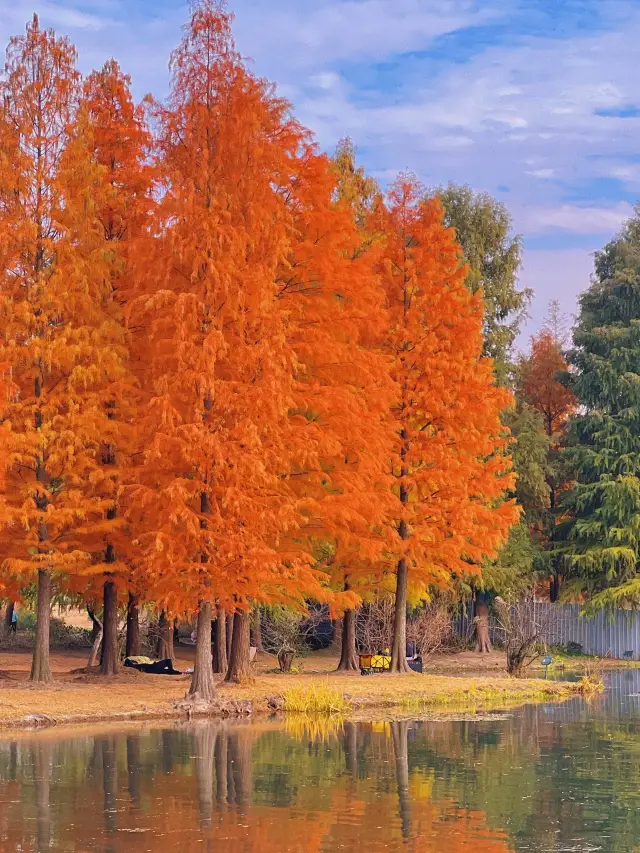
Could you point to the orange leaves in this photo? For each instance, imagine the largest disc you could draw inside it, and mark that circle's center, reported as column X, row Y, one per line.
column 541, row 386
column 217, row 368
column 224, row 358
column 447, row 463
column 63, row 332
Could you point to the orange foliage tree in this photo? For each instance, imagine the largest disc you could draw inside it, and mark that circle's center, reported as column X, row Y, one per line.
column 213, row 496
column 343, row 386
column 542, row 388
column 114, row 140
column 38, row 95
column 213, row 383
column 58, row 330
column 449, row 460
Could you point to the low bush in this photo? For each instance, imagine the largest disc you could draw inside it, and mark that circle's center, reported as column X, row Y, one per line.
column 61, row 635
column 68, row 636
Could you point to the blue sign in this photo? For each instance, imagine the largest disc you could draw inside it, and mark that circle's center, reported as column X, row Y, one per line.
column 547, row 661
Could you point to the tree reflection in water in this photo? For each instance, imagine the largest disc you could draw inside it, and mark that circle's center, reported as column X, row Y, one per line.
column 531, row 781
column 208, row 787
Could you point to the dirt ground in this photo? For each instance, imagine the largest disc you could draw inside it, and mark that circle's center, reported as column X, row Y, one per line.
column 78, row 697
column 18, row 663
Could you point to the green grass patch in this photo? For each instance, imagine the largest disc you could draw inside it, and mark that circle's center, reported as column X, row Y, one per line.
column 488, row 697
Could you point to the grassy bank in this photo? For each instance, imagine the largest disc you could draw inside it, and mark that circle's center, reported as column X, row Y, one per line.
column 80, row 697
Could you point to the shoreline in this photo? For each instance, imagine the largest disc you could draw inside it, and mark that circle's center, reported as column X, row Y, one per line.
column 25, row 707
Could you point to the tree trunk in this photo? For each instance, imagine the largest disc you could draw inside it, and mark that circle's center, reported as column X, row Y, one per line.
column 483, row 640
column 349, row 655
column 133, row 628
column 8, row 616
column 554, row 586
column 164, row 646
column 220, row 659
column 40, row 667
column 337, row 626
column 399, row 647
column 97, row 640
column 96, row 624
column 516, row 659
column 256, row 630
column 203, row 685
column 285, row 659
column 5, row 628
column 230, row 619
column 109, row 659
column 239, row 663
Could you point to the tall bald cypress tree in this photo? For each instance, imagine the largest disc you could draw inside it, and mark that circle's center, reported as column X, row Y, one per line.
column 602, row 545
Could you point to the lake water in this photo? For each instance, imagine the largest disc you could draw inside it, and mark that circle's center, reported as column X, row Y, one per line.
column 547, row 778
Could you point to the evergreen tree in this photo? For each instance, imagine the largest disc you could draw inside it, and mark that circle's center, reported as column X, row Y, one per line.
column 494, row 255
column 602, row 544
column 515, row 569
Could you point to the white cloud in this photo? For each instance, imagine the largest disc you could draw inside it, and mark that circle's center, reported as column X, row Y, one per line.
column 327, row 80
column 576, row 219
column 328, row 31
column 69, row 17
column 543, row 174
column 62, row 16
column 520, row 109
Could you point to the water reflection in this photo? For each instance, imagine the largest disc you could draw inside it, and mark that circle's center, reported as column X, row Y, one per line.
column 551, row 778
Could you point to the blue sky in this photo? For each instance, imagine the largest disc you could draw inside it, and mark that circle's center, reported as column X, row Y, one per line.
column 535, row 101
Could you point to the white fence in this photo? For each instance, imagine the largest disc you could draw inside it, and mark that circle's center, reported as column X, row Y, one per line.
column 607, row 634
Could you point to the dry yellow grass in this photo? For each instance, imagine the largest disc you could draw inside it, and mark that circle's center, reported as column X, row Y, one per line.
column 76, row 697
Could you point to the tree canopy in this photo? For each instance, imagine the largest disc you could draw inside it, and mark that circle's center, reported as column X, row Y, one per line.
column 493, row 255
column 602, row 531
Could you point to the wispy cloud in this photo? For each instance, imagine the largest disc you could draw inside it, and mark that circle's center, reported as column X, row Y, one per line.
column 331, row 31
column 517, row 94
column 577, row 219
column 62, row 16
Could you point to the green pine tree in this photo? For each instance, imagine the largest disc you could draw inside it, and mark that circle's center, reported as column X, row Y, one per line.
column 602, row 538
column 516, row 568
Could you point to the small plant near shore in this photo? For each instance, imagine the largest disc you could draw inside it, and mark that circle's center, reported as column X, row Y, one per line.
column 315, row 699
column 591, row 682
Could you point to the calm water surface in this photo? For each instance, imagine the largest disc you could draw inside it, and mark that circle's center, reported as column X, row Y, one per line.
column 548, row 778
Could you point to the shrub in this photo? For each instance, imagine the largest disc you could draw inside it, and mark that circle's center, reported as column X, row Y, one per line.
column 61, row 635
column 431, row 630
column 287, row 633
column 68, row 636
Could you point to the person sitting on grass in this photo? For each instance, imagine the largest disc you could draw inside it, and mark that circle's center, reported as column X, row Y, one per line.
column 154, row 667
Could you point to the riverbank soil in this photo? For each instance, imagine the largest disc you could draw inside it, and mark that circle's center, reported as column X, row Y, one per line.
column 78, row 695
